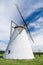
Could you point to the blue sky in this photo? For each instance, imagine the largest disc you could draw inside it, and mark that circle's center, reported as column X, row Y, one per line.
column 32, row 11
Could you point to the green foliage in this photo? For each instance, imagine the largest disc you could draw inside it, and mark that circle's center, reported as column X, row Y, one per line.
column 38, row 60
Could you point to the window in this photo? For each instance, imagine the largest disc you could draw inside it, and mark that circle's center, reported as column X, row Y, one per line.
column 8, row 51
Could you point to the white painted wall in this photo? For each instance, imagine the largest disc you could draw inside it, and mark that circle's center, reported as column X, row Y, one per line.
column 20, row 48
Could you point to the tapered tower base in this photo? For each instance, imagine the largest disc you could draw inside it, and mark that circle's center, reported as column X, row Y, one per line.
column 19, row 48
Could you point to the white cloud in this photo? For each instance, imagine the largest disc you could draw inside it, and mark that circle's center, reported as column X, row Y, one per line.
column 3, row 46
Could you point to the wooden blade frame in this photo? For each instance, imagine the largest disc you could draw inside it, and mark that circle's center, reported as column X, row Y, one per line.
column 24, row 22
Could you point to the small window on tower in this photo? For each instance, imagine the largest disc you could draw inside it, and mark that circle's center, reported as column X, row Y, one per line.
column 8, row 51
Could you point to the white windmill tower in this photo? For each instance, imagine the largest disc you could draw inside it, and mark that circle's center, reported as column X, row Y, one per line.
column 19, row 45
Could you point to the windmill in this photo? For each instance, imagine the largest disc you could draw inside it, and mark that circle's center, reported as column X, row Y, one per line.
column 19, row 45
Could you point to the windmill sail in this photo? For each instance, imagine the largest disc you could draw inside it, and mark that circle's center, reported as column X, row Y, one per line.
column 15, row 33
column 24, row 22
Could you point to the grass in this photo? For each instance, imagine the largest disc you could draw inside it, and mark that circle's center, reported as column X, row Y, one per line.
column 37, row 61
